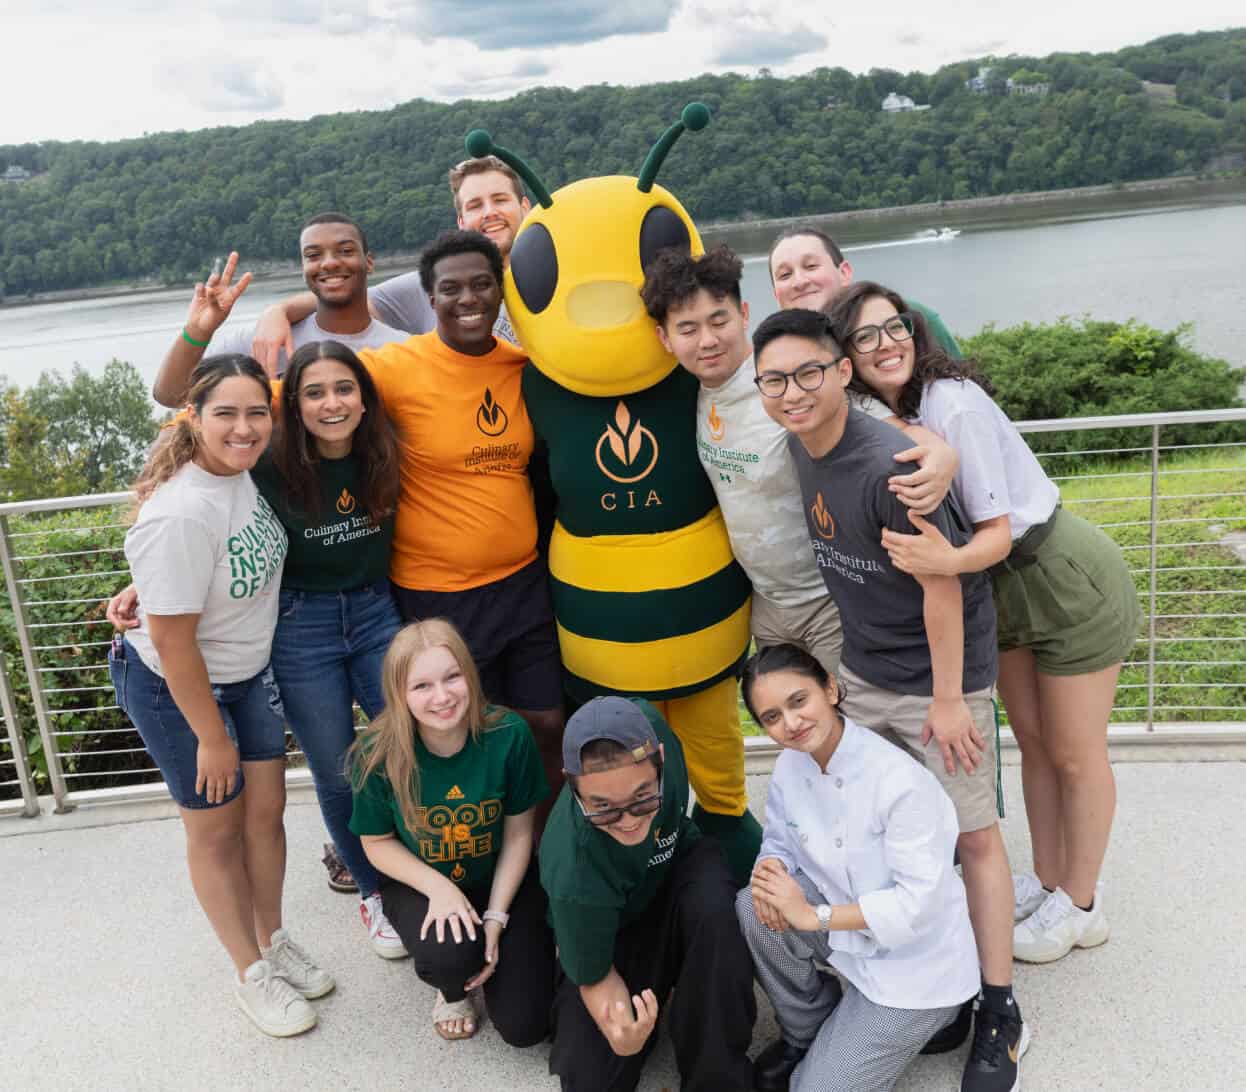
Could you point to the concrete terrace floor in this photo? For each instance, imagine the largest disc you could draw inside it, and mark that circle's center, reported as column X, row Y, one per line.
column 111, row 979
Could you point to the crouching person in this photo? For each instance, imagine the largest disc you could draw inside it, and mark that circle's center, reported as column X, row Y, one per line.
column 445, row 790
column 855, row 871
column 642, row 909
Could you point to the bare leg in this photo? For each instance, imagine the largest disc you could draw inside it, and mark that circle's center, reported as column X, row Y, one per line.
column 218, row 872
column 988, row 885
column 1018, row 686
column 264, row 835
column 547, row 726
column 1075, row 712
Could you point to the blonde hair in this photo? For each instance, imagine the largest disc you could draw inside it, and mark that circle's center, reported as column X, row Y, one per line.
column 175, row 446
column 388, row 743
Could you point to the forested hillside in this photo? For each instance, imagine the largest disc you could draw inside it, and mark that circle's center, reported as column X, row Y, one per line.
column 162, row 205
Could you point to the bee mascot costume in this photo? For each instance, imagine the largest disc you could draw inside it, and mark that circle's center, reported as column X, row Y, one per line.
column 648, row 598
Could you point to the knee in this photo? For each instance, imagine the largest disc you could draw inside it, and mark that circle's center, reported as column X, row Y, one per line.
column 523, row 1028
column 546, row 725
column 446, row 965
column 979, row 846
column 1026, row 731
column 223, row 843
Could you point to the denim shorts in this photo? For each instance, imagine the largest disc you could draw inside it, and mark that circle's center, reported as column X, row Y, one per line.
column 251, row 710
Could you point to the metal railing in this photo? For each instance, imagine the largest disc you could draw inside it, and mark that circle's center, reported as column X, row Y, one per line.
column 1171, row 508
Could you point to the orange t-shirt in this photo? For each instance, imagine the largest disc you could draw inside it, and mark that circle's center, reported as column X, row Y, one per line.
column 465, row 512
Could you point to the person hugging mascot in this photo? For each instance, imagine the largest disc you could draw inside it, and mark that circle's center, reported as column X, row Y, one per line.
column 648, row 598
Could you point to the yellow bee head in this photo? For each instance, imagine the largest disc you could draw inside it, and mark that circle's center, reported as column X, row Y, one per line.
column 577, row 265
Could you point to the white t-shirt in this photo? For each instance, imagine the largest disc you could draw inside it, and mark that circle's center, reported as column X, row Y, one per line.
column 745, row 455
column 998, row 472
column 878, row 830
column 209, row 545
column 237, row 339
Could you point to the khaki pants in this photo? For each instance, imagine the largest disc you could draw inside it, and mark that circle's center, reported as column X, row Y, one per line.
column 812, row 626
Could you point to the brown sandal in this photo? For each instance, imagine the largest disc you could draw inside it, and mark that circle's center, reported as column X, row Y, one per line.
column 340, row 878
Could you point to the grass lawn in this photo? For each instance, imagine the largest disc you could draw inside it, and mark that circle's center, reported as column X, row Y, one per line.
column 1200, row 587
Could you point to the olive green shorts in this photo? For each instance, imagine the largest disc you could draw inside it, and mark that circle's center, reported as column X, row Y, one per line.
column 1075, row 608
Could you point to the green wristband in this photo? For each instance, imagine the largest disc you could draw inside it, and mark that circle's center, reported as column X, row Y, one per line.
column 197, row 344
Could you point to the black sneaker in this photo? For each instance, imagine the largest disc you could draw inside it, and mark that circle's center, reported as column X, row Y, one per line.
column 994, row 1063
column 951, row 1037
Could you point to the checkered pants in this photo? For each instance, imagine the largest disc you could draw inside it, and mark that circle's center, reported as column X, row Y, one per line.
column 854, row 1045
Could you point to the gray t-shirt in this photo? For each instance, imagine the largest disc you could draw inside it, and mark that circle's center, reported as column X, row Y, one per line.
column 210, row 545
column 402, row 302
column 238, row 338
column 847, row 505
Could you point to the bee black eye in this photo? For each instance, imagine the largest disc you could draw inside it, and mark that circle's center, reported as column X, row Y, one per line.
column 661, row 229
column 534, row 265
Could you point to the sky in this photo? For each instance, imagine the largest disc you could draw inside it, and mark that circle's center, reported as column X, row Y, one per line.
column 108, row 69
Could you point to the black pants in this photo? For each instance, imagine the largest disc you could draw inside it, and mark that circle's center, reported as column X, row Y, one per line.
column 519, row 993
column 687, row 940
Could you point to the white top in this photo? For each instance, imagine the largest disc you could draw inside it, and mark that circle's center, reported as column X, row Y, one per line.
column 209, row 545
column 998, row 472
column 745, row 455
column 877, row 829
column 237, row 339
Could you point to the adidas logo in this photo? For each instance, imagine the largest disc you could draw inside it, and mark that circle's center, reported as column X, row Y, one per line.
column 455, row 793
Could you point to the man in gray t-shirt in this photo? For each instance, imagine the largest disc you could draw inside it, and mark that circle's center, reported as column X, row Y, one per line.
column 919, row 655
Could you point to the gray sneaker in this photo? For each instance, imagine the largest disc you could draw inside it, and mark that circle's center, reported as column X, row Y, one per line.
column 274, row 1006
column 1028, row 894
column 297, row 967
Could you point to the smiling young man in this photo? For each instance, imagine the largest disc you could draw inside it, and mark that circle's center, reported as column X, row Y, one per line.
column 919, row 659
column 336, row 265
column 641, row 905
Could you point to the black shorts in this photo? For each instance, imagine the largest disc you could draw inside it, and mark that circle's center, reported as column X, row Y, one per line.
column 509, row 627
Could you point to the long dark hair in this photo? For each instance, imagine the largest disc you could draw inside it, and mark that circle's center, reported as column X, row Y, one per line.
column 930, row 362
column 175, row 446
column 373, row 443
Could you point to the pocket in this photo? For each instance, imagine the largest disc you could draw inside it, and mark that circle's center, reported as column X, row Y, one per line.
column 288, row 605
column 117, row 667
column 1068, row 596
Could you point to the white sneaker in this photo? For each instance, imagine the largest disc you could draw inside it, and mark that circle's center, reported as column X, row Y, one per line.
column 385, row 941
column 275, row 1006
column 1057, row 927
column 1028, row 894
column 297, row 967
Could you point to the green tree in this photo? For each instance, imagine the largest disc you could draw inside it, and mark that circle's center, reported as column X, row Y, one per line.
column 31, row 466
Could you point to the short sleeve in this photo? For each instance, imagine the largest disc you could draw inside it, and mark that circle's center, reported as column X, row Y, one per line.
column 585, row 936
column 372, row 810
column 525, row 778
column 402, row 303
column 172, row 561
column 893, row 514
column 981, row 479
column 232, row 338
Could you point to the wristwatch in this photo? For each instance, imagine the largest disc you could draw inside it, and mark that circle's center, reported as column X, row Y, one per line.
column 823, row 913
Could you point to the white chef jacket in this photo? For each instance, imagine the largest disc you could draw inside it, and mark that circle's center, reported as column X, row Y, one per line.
column 877, row 829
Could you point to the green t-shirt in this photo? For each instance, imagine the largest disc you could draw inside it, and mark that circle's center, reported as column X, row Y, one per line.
column 341, row 548
column 463, row 798
column 597, row 885
column 941, row 334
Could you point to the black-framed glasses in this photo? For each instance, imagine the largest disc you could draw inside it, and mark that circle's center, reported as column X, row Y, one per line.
column 865, row 339
column 607, row 817
column 808, row 377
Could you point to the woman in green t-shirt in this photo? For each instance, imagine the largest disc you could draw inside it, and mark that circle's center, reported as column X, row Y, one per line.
column 445, row 788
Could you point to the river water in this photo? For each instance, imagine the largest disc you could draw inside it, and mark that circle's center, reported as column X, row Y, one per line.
column 1164, row 264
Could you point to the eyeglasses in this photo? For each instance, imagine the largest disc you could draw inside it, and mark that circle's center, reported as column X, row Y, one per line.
column 809, row 377
column 646, row 805
column 865, row 339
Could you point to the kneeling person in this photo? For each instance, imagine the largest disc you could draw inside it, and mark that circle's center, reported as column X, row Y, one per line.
column 641, row 904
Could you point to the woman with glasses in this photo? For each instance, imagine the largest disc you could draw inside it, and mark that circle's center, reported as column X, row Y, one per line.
column 445, row 790
column 1066, row 605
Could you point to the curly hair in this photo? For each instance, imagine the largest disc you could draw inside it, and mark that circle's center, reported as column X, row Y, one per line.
column 674, row 277
column 373, row 443
column 930, row 360
column 175, row 446
column 450, row 243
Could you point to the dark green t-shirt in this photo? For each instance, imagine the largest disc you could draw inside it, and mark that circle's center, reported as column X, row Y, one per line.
column 597, row 885
column 341, row 548
column 941, row 334
column 463, row 798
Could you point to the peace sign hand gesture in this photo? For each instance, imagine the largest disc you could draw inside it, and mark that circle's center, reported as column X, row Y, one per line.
column 214, row 299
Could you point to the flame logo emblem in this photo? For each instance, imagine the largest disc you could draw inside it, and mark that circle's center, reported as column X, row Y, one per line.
column 626, row 444
column 491, row 418
column 345, row 503
column 459, row 873
column 717, row 426
column 823, row 522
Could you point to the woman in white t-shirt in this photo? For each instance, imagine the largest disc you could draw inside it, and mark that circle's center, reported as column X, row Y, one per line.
column 1066, row 603
column 855, row 870
column 206, row 554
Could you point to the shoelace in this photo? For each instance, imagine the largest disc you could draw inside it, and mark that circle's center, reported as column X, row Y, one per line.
column 1051, row 912
column 277, row 986
column 988, row 1039
column 287, row 949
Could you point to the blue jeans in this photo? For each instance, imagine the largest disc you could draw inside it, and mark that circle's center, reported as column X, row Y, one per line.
column 250, row 709
column 327, row 652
